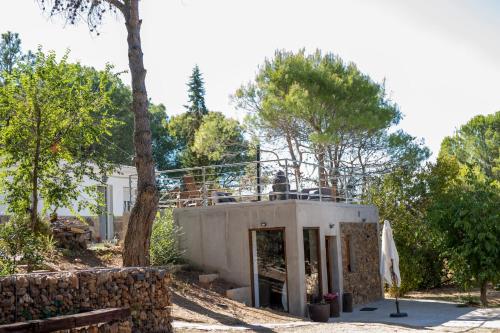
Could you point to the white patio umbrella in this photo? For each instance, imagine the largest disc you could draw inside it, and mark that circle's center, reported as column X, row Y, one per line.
column 389, row 266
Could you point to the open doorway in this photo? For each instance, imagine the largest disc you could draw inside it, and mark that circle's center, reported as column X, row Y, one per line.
column 332, row 264
column 269, row 274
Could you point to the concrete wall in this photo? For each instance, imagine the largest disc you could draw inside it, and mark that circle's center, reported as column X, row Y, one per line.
column 216, row 238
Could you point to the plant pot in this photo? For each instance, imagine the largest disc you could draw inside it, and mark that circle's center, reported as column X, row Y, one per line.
column 319, row 312
column 334, row 308
column 347, row 302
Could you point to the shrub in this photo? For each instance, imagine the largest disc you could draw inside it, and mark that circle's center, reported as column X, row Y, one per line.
column 165, row 247
column 20, row 245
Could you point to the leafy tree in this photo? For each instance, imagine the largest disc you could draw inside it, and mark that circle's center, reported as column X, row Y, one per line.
column 143, row 213
column 323, row 108
column 476, row 144
column 220, row 140
column 183, row 128
column 164, row 146
column 196, row 95
column 465, row 212
column 402, row 197
column 10, row 52
column 52, row 121
column 121, row 135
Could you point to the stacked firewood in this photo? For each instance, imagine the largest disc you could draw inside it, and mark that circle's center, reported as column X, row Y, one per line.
column 71, row 233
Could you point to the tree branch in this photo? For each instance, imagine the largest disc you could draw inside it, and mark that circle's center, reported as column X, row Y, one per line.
column 118, row 4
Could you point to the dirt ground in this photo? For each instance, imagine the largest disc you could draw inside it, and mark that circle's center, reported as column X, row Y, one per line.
column 194, row 302
column 100, row 255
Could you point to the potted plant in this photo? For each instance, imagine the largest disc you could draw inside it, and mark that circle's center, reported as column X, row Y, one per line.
column 319, row 310
column 333, row 300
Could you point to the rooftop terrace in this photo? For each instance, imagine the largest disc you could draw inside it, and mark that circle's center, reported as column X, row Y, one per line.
column 278, row 179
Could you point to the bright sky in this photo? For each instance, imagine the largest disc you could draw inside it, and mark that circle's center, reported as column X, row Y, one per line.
column 440, row 58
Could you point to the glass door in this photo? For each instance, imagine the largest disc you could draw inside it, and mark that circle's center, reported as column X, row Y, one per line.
column 269, row 275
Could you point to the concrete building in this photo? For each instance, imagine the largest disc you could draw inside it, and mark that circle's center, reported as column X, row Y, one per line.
column 286, row 253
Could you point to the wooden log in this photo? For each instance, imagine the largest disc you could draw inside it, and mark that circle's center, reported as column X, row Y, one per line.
column 67, row 322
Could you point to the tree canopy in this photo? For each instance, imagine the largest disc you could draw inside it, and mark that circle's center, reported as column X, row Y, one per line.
column 317, row 106
column 53, row 118
column 477, row 144
column 465, row 192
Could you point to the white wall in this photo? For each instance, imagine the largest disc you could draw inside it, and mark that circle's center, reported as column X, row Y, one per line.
column 117, row 182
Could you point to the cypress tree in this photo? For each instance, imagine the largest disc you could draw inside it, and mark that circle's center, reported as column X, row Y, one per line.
column 196, row 95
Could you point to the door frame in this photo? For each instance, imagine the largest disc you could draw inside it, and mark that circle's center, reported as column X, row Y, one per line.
column 318, row 254
column 252, row 272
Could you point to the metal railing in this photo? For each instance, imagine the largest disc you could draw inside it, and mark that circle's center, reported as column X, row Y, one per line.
column 278, row 179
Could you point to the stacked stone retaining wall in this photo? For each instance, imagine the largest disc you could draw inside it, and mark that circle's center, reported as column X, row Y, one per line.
column 42, row 295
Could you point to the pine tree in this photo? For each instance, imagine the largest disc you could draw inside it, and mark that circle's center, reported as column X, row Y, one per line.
column 196, row 95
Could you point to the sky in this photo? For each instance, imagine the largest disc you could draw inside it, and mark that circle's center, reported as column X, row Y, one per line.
column 440, row 59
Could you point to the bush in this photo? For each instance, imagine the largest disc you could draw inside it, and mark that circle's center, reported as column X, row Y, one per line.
column 165, row 247
column 20, row 245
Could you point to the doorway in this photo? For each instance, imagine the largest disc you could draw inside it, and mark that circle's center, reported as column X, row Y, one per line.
column 332, row 264
column 268, row 269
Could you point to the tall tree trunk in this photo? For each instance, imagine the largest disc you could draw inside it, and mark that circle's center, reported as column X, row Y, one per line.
column 34, row 174
column 484, row 288
column 137, row 239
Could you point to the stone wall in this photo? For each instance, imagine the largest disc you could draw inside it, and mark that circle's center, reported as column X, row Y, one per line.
column 360, row 242
column 41, row 295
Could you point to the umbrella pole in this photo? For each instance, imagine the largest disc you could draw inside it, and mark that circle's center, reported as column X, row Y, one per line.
column 398, row 314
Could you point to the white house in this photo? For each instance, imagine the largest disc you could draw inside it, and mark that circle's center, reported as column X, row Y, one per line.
column 117, row 204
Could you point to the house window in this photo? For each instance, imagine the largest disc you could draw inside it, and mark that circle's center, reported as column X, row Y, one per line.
column 349, row 253
column 127, row 202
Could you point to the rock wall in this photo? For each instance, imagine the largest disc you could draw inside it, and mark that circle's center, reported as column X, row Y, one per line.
column 42, row 295
column 360, row 242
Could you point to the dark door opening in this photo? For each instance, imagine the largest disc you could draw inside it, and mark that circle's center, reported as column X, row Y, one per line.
column 331, row 263
column 269, row 273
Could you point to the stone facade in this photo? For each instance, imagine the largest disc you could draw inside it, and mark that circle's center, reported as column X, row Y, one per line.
column 41, row 295
column 360, row 261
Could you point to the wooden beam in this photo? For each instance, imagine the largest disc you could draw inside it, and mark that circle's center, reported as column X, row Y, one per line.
column 67, row 322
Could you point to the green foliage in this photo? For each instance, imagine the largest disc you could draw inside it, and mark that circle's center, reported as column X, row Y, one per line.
column 10, row 52
column 53, row 118
column 19, row 245
column 165, row 240
column 476, row 144
column 402, row 198
column 465, row 212
column 317, row 106
column 164, row 145
column 196, row 95
column 220, row 140
column 217, row 140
